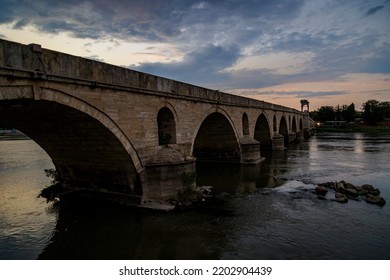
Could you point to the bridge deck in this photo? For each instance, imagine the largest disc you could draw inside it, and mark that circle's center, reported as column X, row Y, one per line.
column 56, row 66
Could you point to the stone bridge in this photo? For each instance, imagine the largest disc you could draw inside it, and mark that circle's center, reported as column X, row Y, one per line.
column 131, row 134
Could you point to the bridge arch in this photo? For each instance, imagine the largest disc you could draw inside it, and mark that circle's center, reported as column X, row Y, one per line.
column 283, row 130
column 86, row 146
column 245, row 124
column 263, row 131
column 166, row 123
column 275, row 124
column 294, row 125
column 300, row 124
column 216, row 139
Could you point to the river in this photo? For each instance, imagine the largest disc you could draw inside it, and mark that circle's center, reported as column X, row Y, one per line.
column 267, row 211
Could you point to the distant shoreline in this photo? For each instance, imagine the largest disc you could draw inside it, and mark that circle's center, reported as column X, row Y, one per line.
column 12, row 135
column 368, row 129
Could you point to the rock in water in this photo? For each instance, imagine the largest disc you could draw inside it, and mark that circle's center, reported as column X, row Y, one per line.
column 320, row 190
column 375, row 199
column 340, row 199
column 345, row 191
column 340, row 187
column 351, row 192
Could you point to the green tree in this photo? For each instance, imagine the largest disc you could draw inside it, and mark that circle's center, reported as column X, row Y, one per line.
column 385, row 109
column 349, row 112
column 314, row 115
column 339, row 113
column 326, row 113
column 372, row 111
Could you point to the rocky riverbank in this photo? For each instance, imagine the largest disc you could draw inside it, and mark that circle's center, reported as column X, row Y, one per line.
column 344, row 191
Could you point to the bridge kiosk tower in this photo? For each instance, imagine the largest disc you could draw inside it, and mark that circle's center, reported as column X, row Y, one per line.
column 304, row 103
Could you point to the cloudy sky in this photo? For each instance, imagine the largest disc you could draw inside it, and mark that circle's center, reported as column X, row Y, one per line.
column 327, row 51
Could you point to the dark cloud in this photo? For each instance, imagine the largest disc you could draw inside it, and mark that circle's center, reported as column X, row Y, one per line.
column 214, row 34
column 373, row 10
column 377, row 63
column 317, row 94
column 21, row 23
column 297, row 94
column 146, row 20
column 6, row 11
column 298, row 41
column 202, row 66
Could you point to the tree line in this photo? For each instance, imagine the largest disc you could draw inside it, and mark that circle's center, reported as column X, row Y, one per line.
column 372, row 112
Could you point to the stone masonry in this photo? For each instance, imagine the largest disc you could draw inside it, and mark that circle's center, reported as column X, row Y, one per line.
column 112, row 129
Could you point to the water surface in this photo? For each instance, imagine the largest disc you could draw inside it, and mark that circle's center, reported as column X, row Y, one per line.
column 266, row 211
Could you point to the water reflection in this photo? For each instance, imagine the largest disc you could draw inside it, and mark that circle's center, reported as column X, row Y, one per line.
column 359, row 143
column 99, row 231
column 25, row 220
column 238, row 179
column 242, row 222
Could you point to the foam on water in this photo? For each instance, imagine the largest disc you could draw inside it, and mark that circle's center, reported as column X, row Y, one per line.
column 294, row 185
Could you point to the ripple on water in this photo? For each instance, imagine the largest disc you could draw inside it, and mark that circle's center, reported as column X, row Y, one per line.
column 246, row 224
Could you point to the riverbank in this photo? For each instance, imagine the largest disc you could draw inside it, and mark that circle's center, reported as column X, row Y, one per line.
column 12, row 134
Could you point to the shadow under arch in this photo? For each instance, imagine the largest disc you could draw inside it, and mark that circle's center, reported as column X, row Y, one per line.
column 263, row 131
column 166, row 123
column 300, row 125
column 245, row 124
column 216, row 139
column 87, row 148
column 283, row 130
column 294, row 125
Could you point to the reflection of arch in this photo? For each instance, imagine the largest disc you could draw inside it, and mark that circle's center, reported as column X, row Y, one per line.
column 245, row 124
column 283, row 130
column 262, row 131
column 216, row 140
column 86, row 146
column 166, row 127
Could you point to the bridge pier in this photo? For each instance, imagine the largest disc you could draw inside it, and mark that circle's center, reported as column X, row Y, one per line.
column 250, row 150
column 300, row 136
column 168, row 174
column 278, row 142
column 292, row 137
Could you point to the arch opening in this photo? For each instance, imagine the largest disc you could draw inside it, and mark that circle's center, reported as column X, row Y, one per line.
column 85, row 153
column 275, row 124
column 294, row 125
column 245, row 124
column 216, row 140
column 166, row 127
column 283, row 130
column 262, row 132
